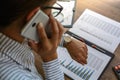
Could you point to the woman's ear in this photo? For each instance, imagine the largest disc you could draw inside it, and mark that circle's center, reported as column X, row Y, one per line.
column 32, row 13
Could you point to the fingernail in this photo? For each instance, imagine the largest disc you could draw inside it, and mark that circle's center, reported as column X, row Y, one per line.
column 40, row 25
column 35, row 42
column 30, row 41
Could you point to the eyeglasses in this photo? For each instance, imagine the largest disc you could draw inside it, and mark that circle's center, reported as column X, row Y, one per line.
column 56, row 9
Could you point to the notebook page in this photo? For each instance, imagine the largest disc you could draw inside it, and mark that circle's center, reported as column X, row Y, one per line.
column 98, row 29
column 97, row 61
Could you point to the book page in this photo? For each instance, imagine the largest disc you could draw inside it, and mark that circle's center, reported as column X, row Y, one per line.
column 98, row 29
column 97, row 62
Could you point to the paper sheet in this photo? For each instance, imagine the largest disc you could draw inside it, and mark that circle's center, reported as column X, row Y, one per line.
column 97, row 61
column 98, row 29
column 67, row 13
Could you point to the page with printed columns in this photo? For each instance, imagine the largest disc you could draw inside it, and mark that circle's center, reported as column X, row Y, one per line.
column 98, row 29
column 97, row 62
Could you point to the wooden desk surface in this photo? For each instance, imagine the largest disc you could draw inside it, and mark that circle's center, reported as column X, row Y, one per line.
column 111, row 9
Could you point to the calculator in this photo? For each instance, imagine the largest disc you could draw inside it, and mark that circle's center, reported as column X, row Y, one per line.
column 116, row 69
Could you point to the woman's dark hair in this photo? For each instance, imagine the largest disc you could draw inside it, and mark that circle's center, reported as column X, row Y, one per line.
column 10, row 10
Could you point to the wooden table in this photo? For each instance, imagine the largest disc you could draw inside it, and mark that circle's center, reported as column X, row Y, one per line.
column 111, row 9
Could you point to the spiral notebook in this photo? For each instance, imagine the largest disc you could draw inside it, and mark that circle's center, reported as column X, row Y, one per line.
column 102, row 36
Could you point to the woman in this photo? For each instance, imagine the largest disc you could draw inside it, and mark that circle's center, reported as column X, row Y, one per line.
column 17, row 61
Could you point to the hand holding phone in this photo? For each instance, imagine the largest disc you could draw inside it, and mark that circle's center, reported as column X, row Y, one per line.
column 47, row 46
column 30, row 30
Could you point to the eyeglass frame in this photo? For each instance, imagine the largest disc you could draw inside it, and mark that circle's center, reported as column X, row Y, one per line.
column 60, row 8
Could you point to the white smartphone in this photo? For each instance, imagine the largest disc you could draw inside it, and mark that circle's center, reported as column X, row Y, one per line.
column 30, row 31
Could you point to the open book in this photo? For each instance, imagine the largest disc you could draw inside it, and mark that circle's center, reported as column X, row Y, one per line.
column 102, row 36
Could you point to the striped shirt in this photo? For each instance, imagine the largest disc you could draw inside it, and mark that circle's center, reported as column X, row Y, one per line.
column 17, row 63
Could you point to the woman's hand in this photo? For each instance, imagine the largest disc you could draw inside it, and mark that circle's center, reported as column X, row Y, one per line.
column 46, row 48
column 78, row 50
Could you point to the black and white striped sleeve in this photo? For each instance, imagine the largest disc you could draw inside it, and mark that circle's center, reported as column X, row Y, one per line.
column 53, row 71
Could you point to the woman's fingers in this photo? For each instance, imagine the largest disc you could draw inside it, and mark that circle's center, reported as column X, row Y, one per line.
column 61, row 30
column 80, row 59
column 42, row 34
column 33, row 45
column 55, row 30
